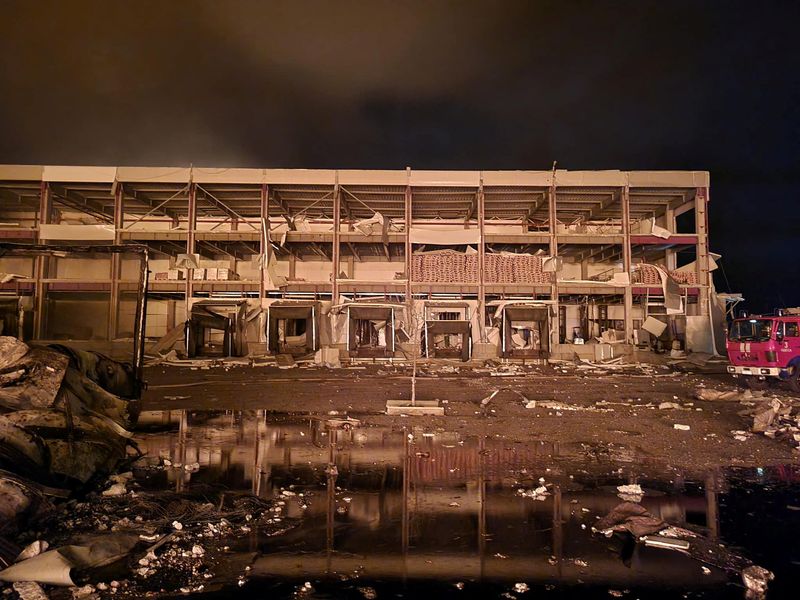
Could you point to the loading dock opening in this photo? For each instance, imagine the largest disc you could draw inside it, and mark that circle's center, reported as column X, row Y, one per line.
column 12, row 316
column 229, row 317
column 293, row 328
column 371, row 330
column 448, row 333
column 524, row 331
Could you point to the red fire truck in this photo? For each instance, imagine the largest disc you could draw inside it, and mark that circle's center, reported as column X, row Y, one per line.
column 765, row 348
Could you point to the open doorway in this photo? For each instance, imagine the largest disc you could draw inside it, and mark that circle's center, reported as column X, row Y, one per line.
column 371, row 330
column 448, row 333
column 524, row 331
column 293, row 328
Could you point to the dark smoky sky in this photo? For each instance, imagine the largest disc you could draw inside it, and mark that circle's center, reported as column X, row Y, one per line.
column 450, row 85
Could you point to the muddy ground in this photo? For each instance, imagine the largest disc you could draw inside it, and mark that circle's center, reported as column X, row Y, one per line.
column 615, row 412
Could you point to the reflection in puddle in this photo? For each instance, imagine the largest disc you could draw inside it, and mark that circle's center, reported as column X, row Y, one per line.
column 394, row 509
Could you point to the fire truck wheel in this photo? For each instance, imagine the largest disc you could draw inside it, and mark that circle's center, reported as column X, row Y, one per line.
column 794, row 378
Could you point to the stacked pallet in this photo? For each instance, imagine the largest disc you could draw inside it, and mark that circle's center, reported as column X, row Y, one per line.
column 449, row 266
column 684, row 277
column 644, row 274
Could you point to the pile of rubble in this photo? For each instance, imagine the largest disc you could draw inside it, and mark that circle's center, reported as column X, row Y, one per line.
column 65, row 417
column 774, row 416
column 630, row 518
column 136, row 542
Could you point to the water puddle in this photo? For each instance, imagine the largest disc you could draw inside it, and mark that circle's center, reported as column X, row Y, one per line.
column 374, row 512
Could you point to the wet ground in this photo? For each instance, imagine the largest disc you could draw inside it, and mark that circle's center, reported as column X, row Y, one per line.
column 260, row 482
column 371, row 510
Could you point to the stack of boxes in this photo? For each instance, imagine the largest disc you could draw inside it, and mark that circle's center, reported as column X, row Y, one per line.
column 455, row 267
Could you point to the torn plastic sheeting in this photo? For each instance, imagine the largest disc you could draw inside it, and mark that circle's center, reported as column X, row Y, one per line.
column 55, row 566
column 631, row 517
column 11, row 350
column 374, row 224
column 711, row 395
column 21, row 449
column 38, row 387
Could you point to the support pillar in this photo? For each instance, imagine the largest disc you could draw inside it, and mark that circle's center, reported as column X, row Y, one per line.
column 553, row 222
column 191, row 244
column 337, row 221
column 42, row 264
column 481, row 264
column 407, row 212
column 264, row 249
column 703, row 274
column 626, row 262
column 116, row 263
column 670, row 255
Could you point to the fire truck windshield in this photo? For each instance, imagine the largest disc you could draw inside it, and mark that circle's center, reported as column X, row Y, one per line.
column 750, row 330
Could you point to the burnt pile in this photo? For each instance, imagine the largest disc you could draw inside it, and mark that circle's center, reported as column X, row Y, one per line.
column 65, row 416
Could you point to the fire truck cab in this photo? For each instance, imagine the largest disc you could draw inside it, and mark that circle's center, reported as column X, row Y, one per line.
column 765, row 348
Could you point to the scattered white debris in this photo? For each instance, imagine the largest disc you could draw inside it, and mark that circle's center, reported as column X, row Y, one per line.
column 756, row 579
column 33, row 549
column 669, row 405
column 539, row 493
column 521, row 588
column 706, row 570
column 632, row 489
column 681, row 427
column 82, row 592
column 177, row 525
column 28, row 590
column 118, row 489
column 368, row 592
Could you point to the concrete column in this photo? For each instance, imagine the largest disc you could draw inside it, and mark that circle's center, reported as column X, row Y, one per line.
column 552, row 218
column 116, row 263
column 264, row 248
column 337, row 221
column 703, row 274
column 669, row 223
column 191, row 245
column 42, row 263
column 481, row 263
column 626, row 262
column 407, row 211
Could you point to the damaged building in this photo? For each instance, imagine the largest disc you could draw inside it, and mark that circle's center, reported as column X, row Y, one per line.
column 374, row 264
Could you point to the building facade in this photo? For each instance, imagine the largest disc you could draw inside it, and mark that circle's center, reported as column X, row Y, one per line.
column 469, row 264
